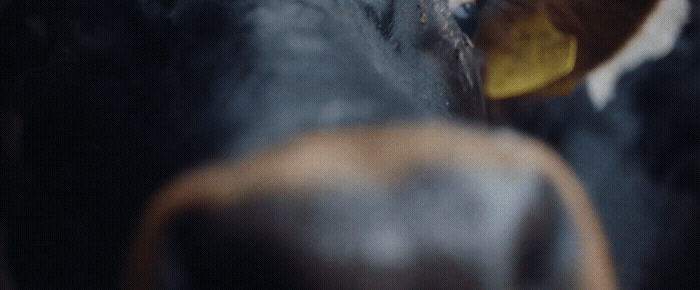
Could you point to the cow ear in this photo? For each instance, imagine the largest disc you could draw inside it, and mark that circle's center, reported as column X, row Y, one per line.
column 545, row 47
column 158, row 9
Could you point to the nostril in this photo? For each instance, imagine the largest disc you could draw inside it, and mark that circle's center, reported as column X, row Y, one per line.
column 205, row 250
column 536, row 245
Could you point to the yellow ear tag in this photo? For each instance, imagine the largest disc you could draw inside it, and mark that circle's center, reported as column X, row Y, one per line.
column 539, row 58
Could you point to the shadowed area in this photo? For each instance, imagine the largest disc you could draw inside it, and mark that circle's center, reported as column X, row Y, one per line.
column 104, row 101
column 638, row 159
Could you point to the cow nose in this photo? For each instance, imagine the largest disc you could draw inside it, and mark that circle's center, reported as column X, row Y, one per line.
column 436, row 227
column 445, row 208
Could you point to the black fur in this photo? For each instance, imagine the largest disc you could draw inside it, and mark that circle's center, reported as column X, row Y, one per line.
column 639, row 159
column 115, row 97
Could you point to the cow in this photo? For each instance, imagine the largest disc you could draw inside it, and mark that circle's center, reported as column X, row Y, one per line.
column 108, row 101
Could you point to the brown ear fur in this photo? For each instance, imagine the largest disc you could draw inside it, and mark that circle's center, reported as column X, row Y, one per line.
column 601, row 27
